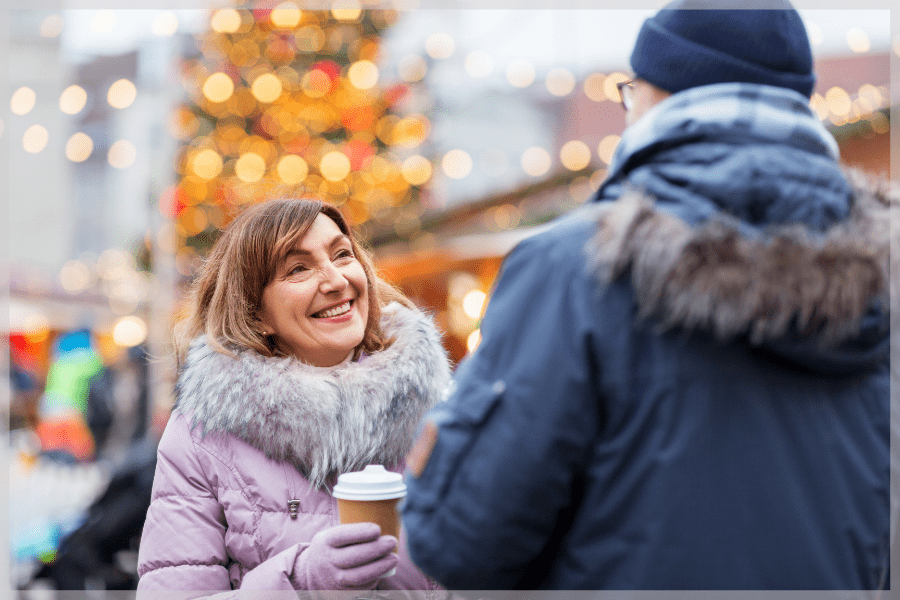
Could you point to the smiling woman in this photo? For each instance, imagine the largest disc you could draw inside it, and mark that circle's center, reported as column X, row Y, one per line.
column 297, row 363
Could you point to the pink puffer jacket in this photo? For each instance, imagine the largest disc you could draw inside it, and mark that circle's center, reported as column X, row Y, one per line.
column 249, row 456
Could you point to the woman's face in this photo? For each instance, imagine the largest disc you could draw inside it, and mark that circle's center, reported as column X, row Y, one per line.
column 316, row 304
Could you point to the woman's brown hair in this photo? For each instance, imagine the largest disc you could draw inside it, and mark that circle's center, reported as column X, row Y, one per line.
column 225, row 297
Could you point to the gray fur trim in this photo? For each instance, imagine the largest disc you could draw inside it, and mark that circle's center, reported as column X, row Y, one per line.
column 710, row 276
column 323, row 421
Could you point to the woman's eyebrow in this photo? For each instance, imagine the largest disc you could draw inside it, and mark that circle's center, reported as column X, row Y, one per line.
column 337, row 240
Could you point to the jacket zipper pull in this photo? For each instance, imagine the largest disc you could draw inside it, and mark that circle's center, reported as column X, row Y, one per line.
column 292, row 506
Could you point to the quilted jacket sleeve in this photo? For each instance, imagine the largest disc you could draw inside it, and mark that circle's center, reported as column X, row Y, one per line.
column 183, row 542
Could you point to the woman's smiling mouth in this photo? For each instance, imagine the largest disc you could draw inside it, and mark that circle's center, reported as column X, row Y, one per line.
column 334, row 311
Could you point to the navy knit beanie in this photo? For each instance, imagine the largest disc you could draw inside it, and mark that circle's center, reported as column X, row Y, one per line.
column 688, row 43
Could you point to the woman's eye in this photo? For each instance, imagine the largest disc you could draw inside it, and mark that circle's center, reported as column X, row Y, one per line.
column 297, row 269
column 344, row 253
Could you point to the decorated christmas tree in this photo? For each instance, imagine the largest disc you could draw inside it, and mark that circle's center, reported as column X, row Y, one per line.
column 282, row 100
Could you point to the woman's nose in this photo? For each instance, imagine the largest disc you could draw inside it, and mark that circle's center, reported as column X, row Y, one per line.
column 332, row 279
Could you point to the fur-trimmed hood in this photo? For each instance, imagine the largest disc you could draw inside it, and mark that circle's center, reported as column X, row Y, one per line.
column 324, row 421
column 769, row 284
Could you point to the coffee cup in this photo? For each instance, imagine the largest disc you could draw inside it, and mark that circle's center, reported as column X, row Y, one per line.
column 371, row 496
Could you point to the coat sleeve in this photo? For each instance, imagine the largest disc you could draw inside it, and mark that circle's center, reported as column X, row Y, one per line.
column 183, row 541
column 513, row 437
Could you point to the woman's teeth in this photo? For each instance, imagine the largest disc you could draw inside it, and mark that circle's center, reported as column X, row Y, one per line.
column 333, row 312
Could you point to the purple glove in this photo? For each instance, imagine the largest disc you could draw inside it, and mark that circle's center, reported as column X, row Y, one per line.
column 352, row 556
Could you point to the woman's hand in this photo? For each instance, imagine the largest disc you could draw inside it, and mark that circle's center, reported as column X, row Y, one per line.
column 352, row 556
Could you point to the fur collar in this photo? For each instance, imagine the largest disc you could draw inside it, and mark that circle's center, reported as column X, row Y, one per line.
column 324, row 421
column 716, row 277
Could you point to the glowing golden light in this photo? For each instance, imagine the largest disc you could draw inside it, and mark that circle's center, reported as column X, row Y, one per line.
column 129, row 331
column 35, row 139
column 315, row 83
column 267, row 87
column 165, row 24
column 250, row 167
column 871, row 94
column 23, row 100
column 440, row 45
column 817, row 103
column 121, row 94
column 79, row 147
column 575, row 155
column 858, row 41
column 838, row 101
column 412, row 68
column 218, row 87
column 607, row 147
column 51, row 26
column 814, row 33
column 74, row 276
column 292, row 169
column 560, row 82
column 363, row 74
column 104, row 21
column 37, row 328
column 473, row 303
column 456, row 164
column 122, row 154
column 609, row 85
column 286, row 15
column 334, row 166
column 593, row 87
column 473, row 340
column 72, row 100
column 410, row 131
column 505, row 216
column 416, row 169
column 207, row 164
column 520, row 73
column 880, row 123
column 226, row 20
column 536, row 161
column 346, row 10
column 479, row 64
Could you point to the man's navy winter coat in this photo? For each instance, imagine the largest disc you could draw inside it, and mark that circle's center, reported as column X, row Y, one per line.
column 685, row 386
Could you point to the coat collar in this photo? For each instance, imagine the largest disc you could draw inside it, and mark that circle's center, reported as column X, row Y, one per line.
column 720, row 277
column 324, row 421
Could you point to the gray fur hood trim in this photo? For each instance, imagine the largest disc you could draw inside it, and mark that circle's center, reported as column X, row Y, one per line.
column 324, row 421
column 715, row 277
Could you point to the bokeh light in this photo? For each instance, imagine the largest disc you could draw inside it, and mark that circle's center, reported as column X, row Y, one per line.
column 334, row 166
column 416, row 169
column 292, row 169
column 346, row 10
column 121, row 94
column 440, row 46
column 593, row 87
column 858, row 41
column 74, row 276
column 838, row 101
column 23, row 100
column 79, row 147
column 267, row 87
column 122, row 154
column 226, row 20
column 610, row 88
column 165, row 24
column 52, row 26
column 560, row 82
column 250, row 167
column 363, row 74
column 35, row 139
column 286, row 15
column 129, row 331
column 575, row 155
column 479, row 64
column 207, row 164
column 520, row 73
column 607, row 147
column 456, row 164
column 536, row 161
column 412, row 68
column 473, row 340
column 473, row 303
column 72, row 100
column 218, row 87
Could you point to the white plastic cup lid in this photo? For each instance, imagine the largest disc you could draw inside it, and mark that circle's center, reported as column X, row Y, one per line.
column 372, row 483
